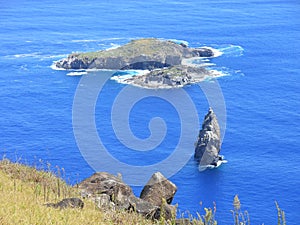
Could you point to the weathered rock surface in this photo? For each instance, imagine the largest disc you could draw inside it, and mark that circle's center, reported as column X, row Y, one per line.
column 167, row 211
column 149, row 53
column 109, row 191
column 158, row 188
column 209, row 141
column 67, row 203
column 103, row 201
column 175, row 76
column 105, row 183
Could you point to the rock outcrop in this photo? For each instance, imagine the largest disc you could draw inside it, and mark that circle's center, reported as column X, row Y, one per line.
column 209, row 142
column 175, row 76
column 148, row 53
column 109, row 191
column 67, row 203
column 105, row 183
column 160, row 192
column 157, row 189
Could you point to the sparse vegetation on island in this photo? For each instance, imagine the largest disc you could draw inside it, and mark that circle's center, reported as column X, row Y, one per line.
column 169, row 64
column 26, row 190
column 136, row 48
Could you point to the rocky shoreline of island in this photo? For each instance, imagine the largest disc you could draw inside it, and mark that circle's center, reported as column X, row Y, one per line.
column 171, row 77
column 165, row 60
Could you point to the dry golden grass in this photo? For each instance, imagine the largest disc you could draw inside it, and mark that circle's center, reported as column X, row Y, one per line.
column 135, row 48
column 24, row 191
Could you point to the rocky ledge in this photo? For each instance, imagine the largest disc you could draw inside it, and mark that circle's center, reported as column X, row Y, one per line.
column 165, row 60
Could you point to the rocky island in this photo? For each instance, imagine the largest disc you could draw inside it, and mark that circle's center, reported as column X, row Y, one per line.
column 209, row 143
column 166, row 61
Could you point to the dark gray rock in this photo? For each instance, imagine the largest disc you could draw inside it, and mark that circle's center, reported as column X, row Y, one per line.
column 174, row 76
column 149, row 210
column 168, row 212
column 209, row 141
column 105, row 183
column 67, row 203
column 110, row 192
column 158, row 188
column 142, row 207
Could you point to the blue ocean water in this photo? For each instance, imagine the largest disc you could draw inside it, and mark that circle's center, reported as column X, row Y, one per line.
column 260, row 42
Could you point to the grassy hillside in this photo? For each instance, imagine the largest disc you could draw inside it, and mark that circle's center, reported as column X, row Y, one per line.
column 24, row 191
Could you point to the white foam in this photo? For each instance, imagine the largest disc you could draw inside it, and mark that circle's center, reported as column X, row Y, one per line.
column 84, row 40
column 216, row 52
column 197, row 62
column 177, row 41
column 137, row 72
column 224, row 71
column 25, row 55
column 204, row 60
column 113, row 46
column 219, row 163
column 116, row 38
column 215, row 74
column 122, row 78
column 54, row 67
column 231, row 50
column 55, row 56
column 77, row 73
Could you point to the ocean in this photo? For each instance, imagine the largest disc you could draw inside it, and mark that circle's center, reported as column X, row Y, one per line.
column 258, row 98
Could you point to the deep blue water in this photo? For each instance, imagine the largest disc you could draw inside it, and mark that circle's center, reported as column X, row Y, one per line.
column 261, row 45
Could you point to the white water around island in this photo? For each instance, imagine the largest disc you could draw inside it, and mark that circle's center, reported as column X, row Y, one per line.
column 215, row 71
column 123, row 75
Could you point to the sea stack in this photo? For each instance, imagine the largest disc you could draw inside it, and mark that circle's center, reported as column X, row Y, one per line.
column 209, row 142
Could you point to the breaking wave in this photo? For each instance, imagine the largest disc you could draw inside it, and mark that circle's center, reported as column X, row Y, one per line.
column 229, row 50
column 77, row 73
column 122, row 76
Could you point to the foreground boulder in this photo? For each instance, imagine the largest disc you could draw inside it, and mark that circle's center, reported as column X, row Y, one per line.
column 109, row 191
column 209, row 142
column 105, row 183
column 157, row 189
column 67, row 203
column 160, row 192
